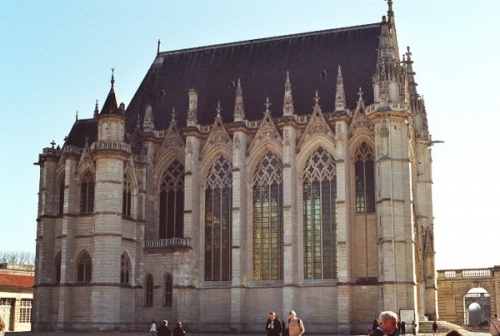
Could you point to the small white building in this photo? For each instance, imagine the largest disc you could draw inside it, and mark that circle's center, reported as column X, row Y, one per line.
column 16, row 295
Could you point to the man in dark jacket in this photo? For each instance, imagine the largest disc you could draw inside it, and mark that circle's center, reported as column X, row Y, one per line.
column 273, row 325
column 388, row 322
column 163, row 329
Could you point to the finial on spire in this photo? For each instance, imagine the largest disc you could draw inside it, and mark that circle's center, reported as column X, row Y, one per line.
column 360, row 94
column 267, row 104
column 112, row 78
column 390, row 12
column 408, row 54
column 173, row 113
column 218, row 109
column 96, row 109
column 158, row 50
column 76, row 117
column 53, row 143
column 316, row 99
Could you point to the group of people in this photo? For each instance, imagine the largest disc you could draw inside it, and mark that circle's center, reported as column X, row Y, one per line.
column 276, row 327
column 387, row 325
column 164, row 330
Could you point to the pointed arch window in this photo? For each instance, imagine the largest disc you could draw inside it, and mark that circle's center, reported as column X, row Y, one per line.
column 87, row 193
column 172, row 202
column 364, row 170
column 148, row 290
column 127, row 196
column 218, row 221
column 167, row 297
column 61, row 194
column 319, row 215
column 267, row 204
column 84, row 268
column 57, row 265
column 125, row 269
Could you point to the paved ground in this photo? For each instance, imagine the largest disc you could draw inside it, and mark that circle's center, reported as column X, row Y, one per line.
column 190, row 334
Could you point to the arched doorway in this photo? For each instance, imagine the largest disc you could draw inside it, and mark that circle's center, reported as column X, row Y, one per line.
column 478, row 306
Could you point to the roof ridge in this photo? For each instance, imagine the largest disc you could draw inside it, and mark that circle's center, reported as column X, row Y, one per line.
column 266, row 39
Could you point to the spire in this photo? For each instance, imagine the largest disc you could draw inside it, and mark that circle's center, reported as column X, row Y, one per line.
column 340, row 94
column 239, row 109
column 390, row 12
column 158, row 49
column 96, row 109
column 111, row 104
column 148, row 123
column 192, row 115
column 288, row 100
column 410, row 74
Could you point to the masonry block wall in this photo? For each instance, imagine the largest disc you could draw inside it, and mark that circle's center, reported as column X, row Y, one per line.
column 321, row 204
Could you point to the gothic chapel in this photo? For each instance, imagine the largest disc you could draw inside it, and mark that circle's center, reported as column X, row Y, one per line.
column 290, row 172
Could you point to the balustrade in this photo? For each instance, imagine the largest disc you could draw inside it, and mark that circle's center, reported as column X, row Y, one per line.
column 170, row 243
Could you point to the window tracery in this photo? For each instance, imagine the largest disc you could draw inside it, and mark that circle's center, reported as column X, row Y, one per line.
column 267, row 204
column 167, row 301
column 172, row 202
column 319, row 215
column 84, row 268
column 218, row 221
column 364, row 170
column 148, row 290
column 87, row 191
column 127, row 196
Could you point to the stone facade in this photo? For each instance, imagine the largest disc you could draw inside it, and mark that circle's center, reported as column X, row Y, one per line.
column 327, row 211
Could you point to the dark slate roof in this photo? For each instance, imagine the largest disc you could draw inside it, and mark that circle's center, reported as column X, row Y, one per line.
column 82, row 129
column 111, row 104
column 312, row 60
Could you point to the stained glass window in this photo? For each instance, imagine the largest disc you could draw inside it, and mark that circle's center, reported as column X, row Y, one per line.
column 267, row 203
column 61, row 195
column 148, row 290
column 84, row 268
column 319, row 215
column 87, row 193
column 218, row 221
column 172, row 202
column 168, row 290
column 364, row 171
column 127, row 197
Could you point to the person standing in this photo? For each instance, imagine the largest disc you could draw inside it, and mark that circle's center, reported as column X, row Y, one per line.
column 495, row 326
column 163, row 329
column 403, row 328
column 273, row 325
column 178, row 331
column 152, row 330
column 2, row 326
column 388, row 322
column 295, row 326
column 434, row 328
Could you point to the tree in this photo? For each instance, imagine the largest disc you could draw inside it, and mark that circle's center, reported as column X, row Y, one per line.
column 23, row 258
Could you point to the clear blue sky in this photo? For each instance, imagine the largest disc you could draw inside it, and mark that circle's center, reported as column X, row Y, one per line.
column 56, row 59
